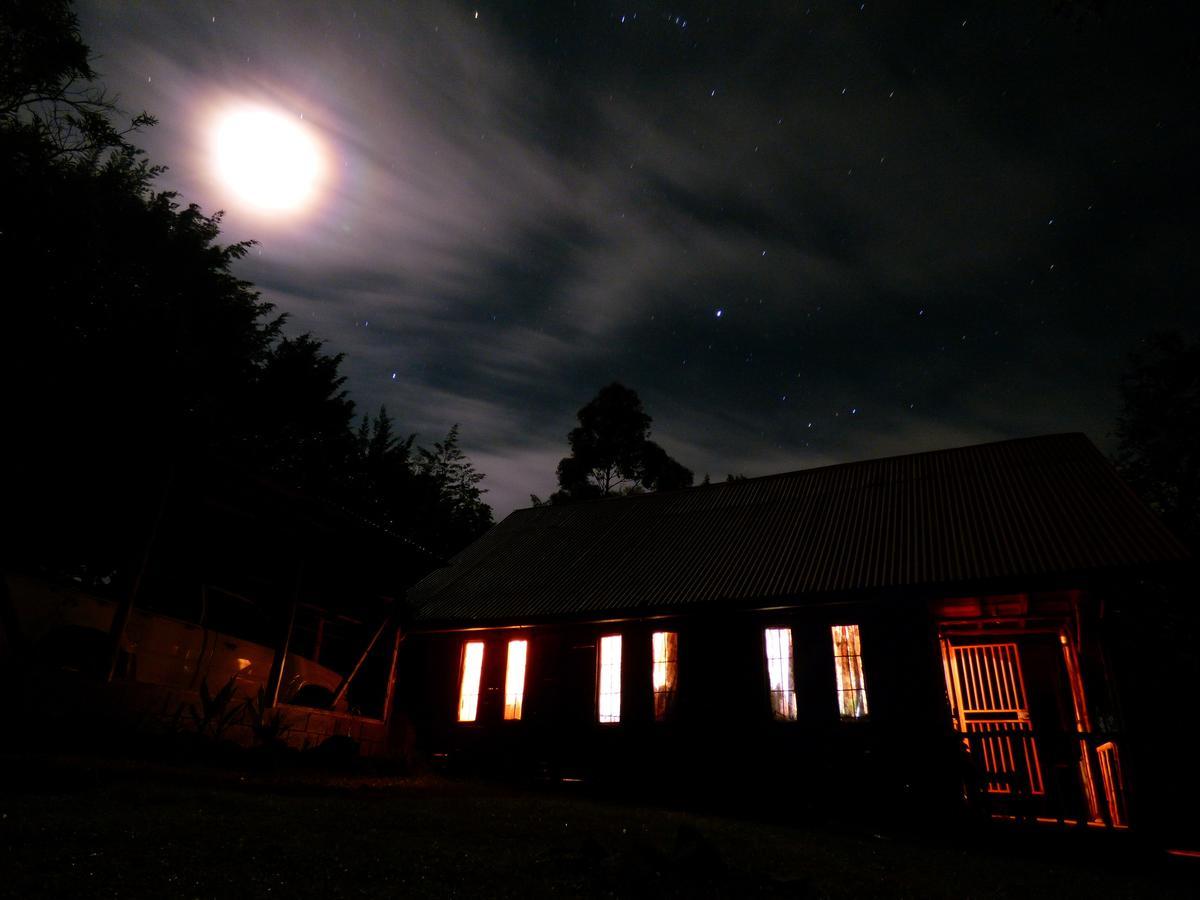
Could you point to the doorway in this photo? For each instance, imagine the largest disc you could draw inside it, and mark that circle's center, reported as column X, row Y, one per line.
column 992, row 712
column 1018, row 703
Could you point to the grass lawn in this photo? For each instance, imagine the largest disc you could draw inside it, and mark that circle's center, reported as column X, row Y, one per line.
column 88, row 829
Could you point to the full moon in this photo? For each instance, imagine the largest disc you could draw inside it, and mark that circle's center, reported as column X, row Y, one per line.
column 270, row 161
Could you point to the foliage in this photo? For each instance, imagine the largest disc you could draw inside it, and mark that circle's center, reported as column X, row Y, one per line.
column 269, row 725
column 1158, row 451
column 217, row 711
column 450, row 470
column 454, row 511
column 47, row 94
column 134, row 339
column 297, row 424
column 137, row 355
column 382, row 477
column 430, row 495
column 611, row 451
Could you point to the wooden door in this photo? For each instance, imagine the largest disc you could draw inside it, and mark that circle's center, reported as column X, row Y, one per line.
column 992, row 712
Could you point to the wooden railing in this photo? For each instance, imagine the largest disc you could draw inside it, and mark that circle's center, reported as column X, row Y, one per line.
column 1080, row 782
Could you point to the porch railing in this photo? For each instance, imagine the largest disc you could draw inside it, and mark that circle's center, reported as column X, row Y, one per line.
column 1070, row 778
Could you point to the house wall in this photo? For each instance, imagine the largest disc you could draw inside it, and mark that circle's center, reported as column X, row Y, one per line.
column 722, row 737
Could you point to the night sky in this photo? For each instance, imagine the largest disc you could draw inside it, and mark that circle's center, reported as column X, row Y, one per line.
column 829, row 232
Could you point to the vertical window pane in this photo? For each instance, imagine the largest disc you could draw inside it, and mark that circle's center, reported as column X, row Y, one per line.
column 665, row 645
column 609, row 697
column 847, row 666
column 514, row 679
column 472, row 669
column 779, row 672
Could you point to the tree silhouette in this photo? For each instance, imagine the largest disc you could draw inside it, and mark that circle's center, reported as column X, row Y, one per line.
column 611, row 451
column 131, row 343
column 48, row 97
column 1158, row 453
column 454, row 513
column 296, row 427
column 431, row 496
column 381, row 481
column 134, row 354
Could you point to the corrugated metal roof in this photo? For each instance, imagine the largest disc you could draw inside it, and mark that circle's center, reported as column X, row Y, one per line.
column 1029, row 507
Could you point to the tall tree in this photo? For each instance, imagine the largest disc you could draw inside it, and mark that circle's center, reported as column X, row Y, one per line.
column 48, row 96
column 611, row 451
column 135, row 353
column 1159, row 451
column 296, row 426
column 382, row 482
column 133, row 349
column 131, row 342
column 454, row 511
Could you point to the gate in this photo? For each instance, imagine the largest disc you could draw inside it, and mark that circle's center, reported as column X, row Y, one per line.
column 992, row 712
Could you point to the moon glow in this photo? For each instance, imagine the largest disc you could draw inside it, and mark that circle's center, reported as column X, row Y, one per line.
column 270, row 161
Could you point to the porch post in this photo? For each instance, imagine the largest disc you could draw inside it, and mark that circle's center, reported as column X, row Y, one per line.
column 279, row 661
column 345, row 685
column 390, row 693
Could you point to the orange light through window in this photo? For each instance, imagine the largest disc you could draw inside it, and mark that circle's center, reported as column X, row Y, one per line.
column 472, row 669
column 609, row 683
column 514, row 679
column 665, row 645
column 847, row 665
column 779, row 672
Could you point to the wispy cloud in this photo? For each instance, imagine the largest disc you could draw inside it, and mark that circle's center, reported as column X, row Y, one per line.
column 899, row 227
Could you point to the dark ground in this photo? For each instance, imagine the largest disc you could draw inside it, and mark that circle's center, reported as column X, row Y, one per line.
column 75, row 828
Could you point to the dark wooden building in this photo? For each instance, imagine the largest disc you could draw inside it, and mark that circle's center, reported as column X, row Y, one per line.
column 914, row 631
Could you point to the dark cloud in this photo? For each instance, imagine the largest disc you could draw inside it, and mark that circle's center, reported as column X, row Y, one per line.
column 921, row 229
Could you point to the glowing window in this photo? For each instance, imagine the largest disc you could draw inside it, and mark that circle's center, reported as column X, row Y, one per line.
column 609, row 683
column 472, row 669
column 779, row 672
column 514, row 679
column 665, row 645
column 847, row 665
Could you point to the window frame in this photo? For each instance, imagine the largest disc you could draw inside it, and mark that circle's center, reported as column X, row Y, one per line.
column 794, row 707
column 520, row 704
column 861, row 689
column 667, row 712
column 599, row 692
column 462, row 679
